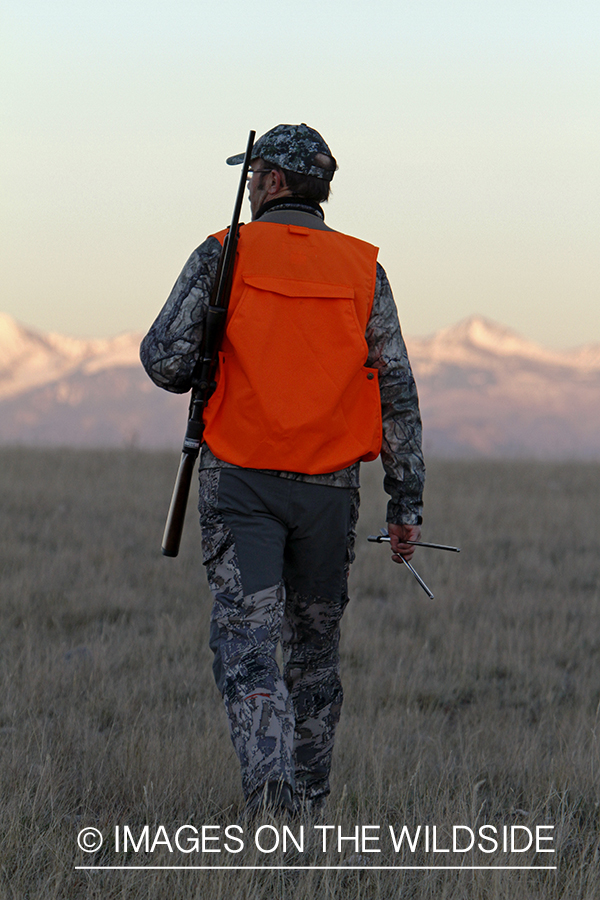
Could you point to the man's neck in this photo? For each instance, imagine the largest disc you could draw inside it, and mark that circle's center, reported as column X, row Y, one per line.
column 290, row 202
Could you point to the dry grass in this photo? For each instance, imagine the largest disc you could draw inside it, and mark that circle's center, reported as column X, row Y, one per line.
column 477, row 708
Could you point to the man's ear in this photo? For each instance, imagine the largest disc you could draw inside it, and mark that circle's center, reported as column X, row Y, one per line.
column 277, row 182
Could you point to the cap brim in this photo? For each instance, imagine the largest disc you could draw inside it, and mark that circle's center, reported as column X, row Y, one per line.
column 235, row 160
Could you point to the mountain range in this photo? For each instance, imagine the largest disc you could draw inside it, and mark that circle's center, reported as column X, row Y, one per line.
column 485, row 392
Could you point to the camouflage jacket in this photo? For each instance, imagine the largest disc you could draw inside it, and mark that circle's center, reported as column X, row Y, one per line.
column 170, row 350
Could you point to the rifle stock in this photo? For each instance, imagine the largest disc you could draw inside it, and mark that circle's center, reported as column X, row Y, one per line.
column 203, row 374
column 176, row 515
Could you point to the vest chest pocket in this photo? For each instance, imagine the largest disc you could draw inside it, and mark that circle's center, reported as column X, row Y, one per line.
column 299, row 323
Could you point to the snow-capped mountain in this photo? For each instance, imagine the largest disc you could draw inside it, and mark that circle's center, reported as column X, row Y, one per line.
column 485, row 391
column 29, row 359
column 57, row 390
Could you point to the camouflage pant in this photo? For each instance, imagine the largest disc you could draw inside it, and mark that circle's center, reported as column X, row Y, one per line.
column 277, row 554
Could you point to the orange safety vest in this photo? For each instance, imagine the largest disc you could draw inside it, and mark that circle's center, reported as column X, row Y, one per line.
column 293, row 393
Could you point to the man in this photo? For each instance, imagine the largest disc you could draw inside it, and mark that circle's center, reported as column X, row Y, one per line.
column 313, row 377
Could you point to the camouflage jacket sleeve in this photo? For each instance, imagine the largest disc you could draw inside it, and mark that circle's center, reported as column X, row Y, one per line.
column 401, row 452
column 170, row 349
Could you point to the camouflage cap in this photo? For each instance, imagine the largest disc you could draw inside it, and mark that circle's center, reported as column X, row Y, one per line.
column 296, row 148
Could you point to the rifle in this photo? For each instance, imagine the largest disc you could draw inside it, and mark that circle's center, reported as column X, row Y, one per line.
column 204, row 371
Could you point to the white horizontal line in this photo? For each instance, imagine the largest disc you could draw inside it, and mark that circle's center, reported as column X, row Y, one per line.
column 322, row 868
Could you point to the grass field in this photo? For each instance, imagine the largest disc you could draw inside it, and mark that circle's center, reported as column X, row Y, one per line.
column 479, row 708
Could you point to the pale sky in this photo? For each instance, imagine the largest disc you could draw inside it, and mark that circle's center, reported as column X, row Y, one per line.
column 466, row 132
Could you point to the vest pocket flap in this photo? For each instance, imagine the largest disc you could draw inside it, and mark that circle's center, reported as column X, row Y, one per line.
column 289, row 287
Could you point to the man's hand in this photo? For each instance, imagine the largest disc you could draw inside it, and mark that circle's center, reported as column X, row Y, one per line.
column 400, row 533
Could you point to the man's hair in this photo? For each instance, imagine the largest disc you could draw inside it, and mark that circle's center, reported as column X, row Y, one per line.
column 309, row 187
